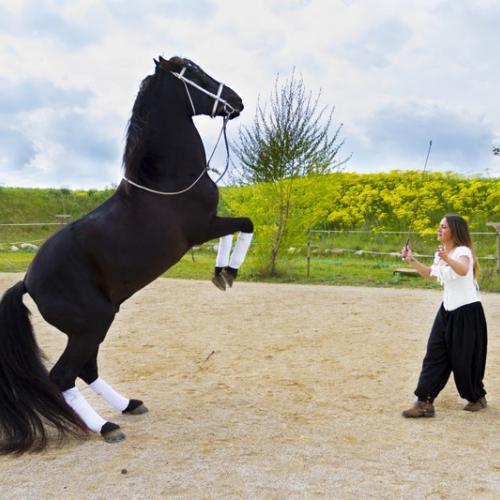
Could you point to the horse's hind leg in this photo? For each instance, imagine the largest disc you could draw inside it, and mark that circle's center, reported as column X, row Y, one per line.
column 64, row 374
column 89, row 374
column 86, row 329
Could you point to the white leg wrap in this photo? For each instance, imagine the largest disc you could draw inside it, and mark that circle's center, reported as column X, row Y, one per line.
column 78, row 402
column 115, row 399
column 240, row 250
column 223, row 250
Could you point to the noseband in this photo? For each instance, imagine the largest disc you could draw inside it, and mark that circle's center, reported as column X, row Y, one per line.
column 216, row 97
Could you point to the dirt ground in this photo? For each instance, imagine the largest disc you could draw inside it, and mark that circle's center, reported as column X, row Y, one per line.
column 271, row 391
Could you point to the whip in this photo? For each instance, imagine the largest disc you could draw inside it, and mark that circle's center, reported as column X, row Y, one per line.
column 417, row 199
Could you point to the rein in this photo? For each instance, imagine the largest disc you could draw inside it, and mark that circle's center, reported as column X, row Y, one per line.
column 229, row 111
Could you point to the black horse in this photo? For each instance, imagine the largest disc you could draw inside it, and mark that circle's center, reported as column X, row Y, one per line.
column 165, row 204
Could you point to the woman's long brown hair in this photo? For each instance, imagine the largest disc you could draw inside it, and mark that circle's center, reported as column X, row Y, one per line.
column 461, row 236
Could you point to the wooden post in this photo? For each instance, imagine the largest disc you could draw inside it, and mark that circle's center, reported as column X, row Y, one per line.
column 498, row 250
column 308, row 258
column 496, row 226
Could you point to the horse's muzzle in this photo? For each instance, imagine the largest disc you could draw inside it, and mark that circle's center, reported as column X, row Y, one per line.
column 236, row 110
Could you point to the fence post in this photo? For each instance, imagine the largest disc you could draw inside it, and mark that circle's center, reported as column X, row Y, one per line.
column 308, row 257
column 496, row 226
column 498, row 250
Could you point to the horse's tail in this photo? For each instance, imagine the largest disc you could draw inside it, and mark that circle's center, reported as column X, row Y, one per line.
column 28, row 398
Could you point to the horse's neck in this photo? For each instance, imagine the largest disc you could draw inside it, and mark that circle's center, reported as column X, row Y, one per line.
column 174, row 152
column 181, row 149
column 170, row 147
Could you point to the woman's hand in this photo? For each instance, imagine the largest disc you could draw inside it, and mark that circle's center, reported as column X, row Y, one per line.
column 407, row 253
column 460, row 265
column 442, row 253
column 422, row 269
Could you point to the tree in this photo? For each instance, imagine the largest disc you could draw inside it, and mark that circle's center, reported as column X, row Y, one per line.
column 290, row 140
column 496, row 151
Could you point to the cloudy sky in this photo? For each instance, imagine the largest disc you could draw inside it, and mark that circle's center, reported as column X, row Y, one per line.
column 399, row 74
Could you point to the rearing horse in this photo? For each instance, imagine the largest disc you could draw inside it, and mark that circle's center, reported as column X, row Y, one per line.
column 165, row 204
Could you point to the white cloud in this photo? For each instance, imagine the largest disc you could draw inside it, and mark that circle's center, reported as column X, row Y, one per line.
column 397, row 76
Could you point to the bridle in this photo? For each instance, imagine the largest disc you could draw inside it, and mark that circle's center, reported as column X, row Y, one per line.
column 216, row 97
column 229, row 110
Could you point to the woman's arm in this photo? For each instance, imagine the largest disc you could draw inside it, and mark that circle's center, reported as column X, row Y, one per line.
column 460, row 265
column 422, row 269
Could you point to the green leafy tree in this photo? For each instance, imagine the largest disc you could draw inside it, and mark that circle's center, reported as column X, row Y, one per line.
column 290, row 139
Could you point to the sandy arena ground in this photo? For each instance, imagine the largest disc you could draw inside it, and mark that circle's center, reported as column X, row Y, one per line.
column 271, row 391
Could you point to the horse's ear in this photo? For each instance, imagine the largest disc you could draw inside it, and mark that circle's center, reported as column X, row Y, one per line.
column 164, row 64
column 156, row 62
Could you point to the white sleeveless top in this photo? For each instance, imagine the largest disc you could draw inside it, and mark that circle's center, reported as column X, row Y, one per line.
column 458, row 290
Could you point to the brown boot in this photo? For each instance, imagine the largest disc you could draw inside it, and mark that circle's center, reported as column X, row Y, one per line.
column 420, row 409
column 476, row 405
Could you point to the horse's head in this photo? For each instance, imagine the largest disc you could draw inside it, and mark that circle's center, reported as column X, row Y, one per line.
column 206, row 95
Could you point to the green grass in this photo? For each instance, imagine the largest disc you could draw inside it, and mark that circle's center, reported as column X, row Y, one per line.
column 13, row 262
column 338, row 270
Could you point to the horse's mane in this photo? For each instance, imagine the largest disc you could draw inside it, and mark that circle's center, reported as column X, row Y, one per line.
column 137, row 129
column 137, row 126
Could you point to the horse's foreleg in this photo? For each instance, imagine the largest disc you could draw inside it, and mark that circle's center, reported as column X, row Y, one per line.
column 224, row 251
column 227, row 263
column 222, row 226
column 240, row 250
column 222, row 261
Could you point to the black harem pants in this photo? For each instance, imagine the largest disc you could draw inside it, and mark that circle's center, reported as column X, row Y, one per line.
column 457, row 344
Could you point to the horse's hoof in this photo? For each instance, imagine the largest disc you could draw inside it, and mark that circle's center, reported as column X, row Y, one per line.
column 135, row 407
column 114, row 436
column 111, row 433
column 228, row 277
column 219, row 282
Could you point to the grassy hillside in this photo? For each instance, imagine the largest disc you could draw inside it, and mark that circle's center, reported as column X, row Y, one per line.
column 51, row 206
